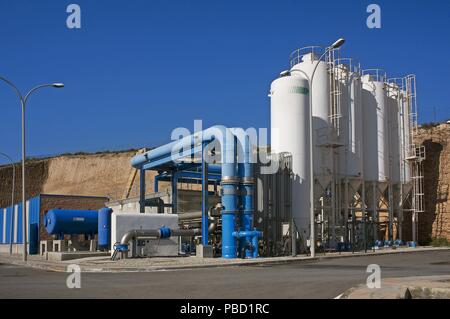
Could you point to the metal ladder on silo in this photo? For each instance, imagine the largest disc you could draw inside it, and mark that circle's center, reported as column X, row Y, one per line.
column 335, row 77
column 416, row 155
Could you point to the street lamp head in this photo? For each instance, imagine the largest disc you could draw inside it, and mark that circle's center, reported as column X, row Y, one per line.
column 339, row 42
column 58, row 85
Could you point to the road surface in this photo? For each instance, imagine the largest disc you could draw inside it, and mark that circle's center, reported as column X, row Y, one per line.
column 319, row 279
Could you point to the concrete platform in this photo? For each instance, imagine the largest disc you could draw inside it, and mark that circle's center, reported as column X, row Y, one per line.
column 66, row 255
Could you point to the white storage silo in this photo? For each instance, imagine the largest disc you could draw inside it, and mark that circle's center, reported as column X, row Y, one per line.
column 303, row 62
column 405, row 121
column 289, row 116
column 394, row 102
column 350, row 128
column 375, row 128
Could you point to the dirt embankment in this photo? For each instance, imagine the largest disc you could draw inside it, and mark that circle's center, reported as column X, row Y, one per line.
column 104, row 174
column 36, row 174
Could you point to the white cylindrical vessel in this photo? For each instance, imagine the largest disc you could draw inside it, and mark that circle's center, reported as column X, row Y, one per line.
column 289, row 117
column 304, row 66
column 405, row 136
column 375, row 128
column 350, row 124
column 394, row 102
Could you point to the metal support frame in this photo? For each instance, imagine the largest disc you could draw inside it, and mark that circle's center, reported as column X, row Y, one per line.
column 174, row 182
column 142, row 191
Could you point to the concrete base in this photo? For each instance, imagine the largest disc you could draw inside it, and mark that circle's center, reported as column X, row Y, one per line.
column 61, row 256
column 60, row 245
column 93, row 245
column 17, row 249
column 204, row 251
column 45, row 246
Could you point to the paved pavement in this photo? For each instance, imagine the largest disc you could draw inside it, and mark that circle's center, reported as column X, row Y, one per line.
column 104, row 264
column 325, row 278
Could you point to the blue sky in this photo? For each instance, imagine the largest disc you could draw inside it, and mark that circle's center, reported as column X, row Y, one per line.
column 139, row 68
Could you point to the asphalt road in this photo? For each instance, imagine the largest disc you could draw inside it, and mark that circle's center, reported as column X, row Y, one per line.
column 320, row 279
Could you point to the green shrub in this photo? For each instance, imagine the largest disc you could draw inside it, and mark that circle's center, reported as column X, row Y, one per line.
column 440, row 242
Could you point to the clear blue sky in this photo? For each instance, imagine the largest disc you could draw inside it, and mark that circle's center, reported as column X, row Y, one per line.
column 138, row 69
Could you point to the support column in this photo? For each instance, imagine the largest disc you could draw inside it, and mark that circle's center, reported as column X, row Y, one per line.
column 174, row 192
column 142, row 191
column 346, row 209
column 156, row 184
column 400, row 214
column 391, row 212
column 375, row 213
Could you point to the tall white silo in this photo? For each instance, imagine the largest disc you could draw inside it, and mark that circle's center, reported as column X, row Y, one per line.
column 289, row 117
column 304, row 61
column 405, row 136
column 350, row 128
column 350, row 135
column 375, row 115
column 376, row 142
column 394, row 101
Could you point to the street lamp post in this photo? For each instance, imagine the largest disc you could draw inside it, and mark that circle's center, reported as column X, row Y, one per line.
column 23, row 103
column 12, row 199
column 335, row 45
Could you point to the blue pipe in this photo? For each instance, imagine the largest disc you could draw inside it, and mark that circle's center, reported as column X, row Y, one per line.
column 230, row 181
column 205, row 221
column 142, row 191
column 247, row 186
column 166, row 151
column 252, row 244
column 156, row 184
column 229, row 184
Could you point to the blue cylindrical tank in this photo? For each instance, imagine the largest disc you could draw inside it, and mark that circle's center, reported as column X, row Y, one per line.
column 71, row 222
column 104, row 227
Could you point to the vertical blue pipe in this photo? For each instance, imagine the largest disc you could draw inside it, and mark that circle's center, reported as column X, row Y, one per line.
column 142, row 191
column 156, row 184
column 240, row 220
column 205, row 224
column 174, row 192
column 229, row 196
column 248, row 207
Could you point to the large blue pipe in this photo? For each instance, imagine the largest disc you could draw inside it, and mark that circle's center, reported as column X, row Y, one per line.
column 165, row 151
column 229, row 182
column 233, row 176
column 247, row 245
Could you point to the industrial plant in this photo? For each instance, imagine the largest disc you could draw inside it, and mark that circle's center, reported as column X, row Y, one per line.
column 341, row 173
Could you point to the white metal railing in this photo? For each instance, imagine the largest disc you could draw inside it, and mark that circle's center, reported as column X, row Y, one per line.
column 297, row 56
column 376, row 75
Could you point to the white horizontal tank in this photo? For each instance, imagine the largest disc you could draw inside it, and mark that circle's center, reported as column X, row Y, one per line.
column 289, row 117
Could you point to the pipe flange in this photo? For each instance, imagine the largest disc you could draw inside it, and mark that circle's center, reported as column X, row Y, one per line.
column 227, row 191
column 230, row 212
column 227, row 180
column 248, row 180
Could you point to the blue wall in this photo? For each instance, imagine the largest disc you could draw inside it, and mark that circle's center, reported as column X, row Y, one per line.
column 33, row 217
